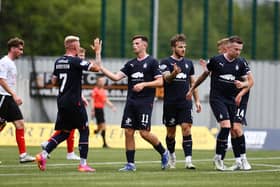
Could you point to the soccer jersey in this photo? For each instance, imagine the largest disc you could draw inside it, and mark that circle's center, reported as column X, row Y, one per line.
column 145, row 70
column 68, row 71
column 8, row 71
column 175, row 92
column 223, row 75
column 99, row 95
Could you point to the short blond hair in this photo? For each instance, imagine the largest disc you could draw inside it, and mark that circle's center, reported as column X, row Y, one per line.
column 69, row 39
column 222, row 41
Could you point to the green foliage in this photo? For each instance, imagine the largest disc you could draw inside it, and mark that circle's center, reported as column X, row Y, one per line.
column 44, row 24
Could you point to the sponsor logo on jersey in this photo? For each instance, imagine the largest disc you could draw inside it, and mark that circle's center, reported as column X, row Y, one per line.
column 137, row 75
column 228, row 77
column 84, row 63
column 181, row 76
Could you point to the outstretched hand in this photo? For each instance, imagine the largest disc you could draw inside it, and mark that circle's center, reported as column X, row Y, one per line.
column 97, row 45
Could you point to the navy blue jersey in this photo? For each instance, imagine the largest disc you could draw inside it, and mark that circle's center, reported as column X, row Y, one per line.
column 141, row 71
column 223, row 75
column 68, row 71
column 175, row 92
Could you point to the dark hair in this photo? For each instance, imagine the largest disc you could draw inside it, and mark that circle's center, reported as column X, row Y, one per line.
column 142, row 37
column 177, row 38
column 15, row 42
column 235, row 39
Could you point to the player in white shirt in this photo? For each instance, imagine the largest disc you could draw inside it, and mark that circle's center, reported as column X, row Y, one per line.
column 9, row 100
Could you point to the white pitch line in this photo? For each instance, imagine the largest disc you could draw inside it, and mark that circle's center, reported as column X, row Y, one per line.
column 137, row 162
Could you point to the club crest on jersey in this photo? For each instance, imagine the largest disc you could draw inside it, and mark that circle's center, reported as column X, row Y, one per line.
column 187, row 66
column 236, row 67
column 145, row 65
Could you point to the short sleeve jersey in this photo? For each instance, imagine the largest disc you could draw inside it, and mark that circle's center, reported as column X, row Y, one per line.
column 8, row 71
column 99, row 95
column 145, row 70
column 223, row 75
column 175, row 92
column 68, row 71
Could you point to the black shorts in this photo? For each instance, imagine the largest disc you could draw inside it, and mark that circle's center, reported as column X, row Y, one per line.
column 9, row 110
column 99, row 115
column 174, row 114
column 137, row 115
column 223, row 110
column 71, row 118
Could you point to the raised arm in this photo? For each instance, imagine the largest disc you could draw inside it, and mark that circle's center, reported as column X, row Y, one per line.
column 168, row 77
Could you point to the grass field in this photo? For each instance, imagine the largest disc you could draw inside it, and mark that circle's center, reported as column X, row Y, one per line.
column 61, row 172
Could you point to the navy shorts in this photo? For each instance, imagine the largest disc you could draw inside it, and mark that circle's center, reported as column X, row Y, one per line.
column 9, row 110
column 99, row 115
column 71, row 118
column 137, row 115
column 174, row 114
column 240, row 116
column 223, row 110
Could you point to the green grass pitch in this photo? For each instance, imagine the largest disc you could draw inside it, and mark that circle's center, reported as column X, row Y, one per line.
column 63, row 173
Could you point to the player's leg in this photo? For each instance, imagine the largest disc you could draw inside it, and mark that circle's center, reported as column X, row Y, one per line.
column 100, row 118
column 70, row 147
column 221, row 113
column 128, row 120
column 20, row 139
column 143, row 111
column 187, row 145
column 184, row 117
column 170, row 143
column 169, row 120
column 11, row 112
column 83, row 148
column 53, row 143
column 152, row 139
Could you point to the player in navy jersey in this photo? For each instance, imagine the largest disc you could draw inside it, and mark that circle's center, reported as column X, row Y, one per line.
column 71, row 114
column 237, row 135
column 178, row 74
column 225, row 69
column 143, row 76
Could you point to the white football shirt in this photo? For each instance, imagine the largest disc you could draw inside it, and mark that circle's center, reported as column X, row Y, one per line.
column 8, row 71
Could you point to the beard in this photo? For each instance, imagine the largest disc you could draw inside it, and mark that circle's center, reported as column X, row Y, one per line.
column 179, row 55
